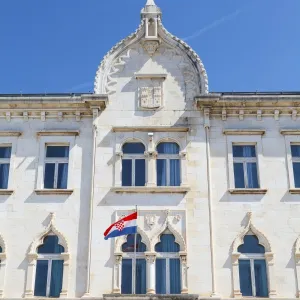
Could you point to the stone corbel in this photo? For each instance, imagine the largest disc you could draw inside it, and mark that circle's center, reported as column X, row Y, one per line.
column 241, row 115
column 183, row 161
column 206, row 117
column 236, row 275
column 119, row 154
column 276, row 114
column 183, row 154
column 271, row 276
column 117, row 273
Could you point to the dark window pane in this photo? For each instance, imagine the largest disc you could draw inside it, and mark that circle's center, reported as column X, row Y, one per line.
column 50, row 245
column 160, row 278
column 295, row 150
column 57, row 151
column 4, row 173
column 140, row 282
column 126, row 286
column 140, row 172
column 41, row 278
column 56, row 278
column 245, row 277
column 133, row 148
column 261, row 281
column 167, row 244
column 49, row 176
column 252, row 175
column 243, row 151
column 5, row 152
column 239, row 179
column 251, row 245
column 168, row 148
column 175, row 172
column 161, row 169
column 126, row 172
column 175, row 280
column 62, row 176
column 1, row 250
column 129, row 245
column 296, row 168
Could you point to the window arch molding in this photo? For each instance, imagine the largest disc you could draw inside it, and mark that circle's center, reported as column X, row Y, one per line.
column 2, row 264
column 170, row 140
column 129, row 140
column 269, row 257
column 32, row 257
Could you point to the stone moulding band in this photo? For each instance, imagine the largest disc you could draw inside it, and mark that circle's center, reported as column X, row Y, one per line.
column 151, row 129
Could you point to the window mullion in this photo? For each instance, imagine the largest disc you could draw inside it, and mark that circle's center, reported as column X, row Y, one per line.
column 245, row 174
column 55, row 175
column 49, row 277
column 168, row 171
column 252, row 277
column 133, row 172
column 168, row 276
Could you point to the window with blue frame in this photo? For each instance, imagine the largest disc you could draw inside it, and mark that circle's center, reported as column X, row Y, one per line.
column 49, row 268
column 133, row 266
column 168, row 275
column 168, row 164
column 296, row 164
column 56, row 167
column 245, row 166
column 252, row 268
column 5, row 154
column 133, row 165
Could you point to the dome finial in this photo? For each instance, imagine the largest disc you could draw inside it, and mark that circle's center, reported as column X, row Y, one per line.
column 150, row 3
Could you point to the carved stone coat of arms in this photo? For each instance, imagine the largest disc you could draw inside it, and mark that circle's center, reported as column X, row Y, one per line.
column 151, row 93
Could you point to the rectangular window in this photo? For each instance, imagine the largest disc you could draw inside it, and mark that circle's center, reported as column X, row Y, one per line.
column 133, row 172
column 253, row 277
column 295, row 149
column 245, row 166
column 5, row 154
column 168, row 172
column 49, row 276
column 56, row 167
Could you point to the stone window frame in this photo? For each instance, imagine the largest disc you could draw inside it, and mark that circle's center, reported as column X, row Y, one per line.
column 269, row 257
column 289, row 141
column 54, row 141
column 33, row 256
column 10, row 141
column 150, row 140
column 3, row 258
column 244, row 140
column 150, row 256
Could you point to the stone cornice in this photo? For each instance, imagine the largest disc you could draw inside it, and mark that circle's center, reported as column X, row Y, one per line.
column 151, row 129
column 10, row 133
column 60, row 106
column 250, row 104
column 244, row 131
column 53, row 191
column 290, row 131
column 151, row 190
column 58, row 133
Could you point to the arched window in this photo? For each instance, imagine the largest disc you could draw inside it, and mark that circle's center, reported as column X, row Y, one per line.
column 168, row 278
column 133, row 266
column 133, row 165
column 168, row 165
column 252, row 268
column 49, row 268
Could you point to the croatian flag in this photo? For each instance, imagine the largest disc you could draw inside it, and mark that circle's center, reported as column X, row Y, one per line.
column 125, row 226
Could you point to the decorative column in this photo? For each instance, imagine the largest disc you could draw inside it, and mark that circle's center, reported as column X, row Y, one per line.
column 65, row 282
column 118, row 169
column 30, row 274
column 150, row 259
column 117, row 273
column 183, row 157
column 184, row 272
column 236, row 275
column 2, row 273
column 151, row 176
column 271, row 276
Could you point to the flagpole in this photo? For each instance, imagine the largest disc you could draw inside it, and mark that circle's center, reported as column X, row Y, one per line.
column 134, row 265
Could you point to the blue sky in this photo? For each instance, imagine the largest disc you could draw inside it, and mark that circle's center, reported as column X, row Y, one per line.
column 56, row 45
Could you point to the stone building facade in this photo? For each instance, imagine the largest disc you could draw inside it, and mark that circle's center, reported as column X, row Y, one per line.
column 215, row 177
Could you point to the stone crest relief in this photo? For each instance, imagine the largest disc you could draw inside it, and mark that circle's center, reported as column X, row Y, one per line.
column 151, row 93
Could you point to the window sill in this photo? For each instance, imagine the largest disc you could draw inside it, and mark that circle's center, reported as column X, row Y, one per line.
column 6, row 192
column 151, row 190
column 247, row 191
column 294, row 191
column 53, row 192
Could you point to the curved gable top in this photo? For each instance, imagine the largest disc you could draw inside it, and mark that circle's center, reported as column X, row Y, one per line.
column 150, row 33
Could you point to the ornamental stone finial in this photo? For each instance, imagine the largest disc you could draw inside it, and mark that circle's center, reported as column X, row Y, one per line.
column 150, row 2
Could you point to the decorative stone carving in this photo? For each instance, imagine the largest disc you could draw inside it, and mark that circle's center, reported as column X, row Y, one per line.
column 150, row 220
column 151, row 93
column 151, row 46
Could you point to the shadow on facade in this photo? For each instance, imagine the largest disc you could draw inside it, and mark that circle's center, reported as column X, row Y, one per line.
column 227, row 197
